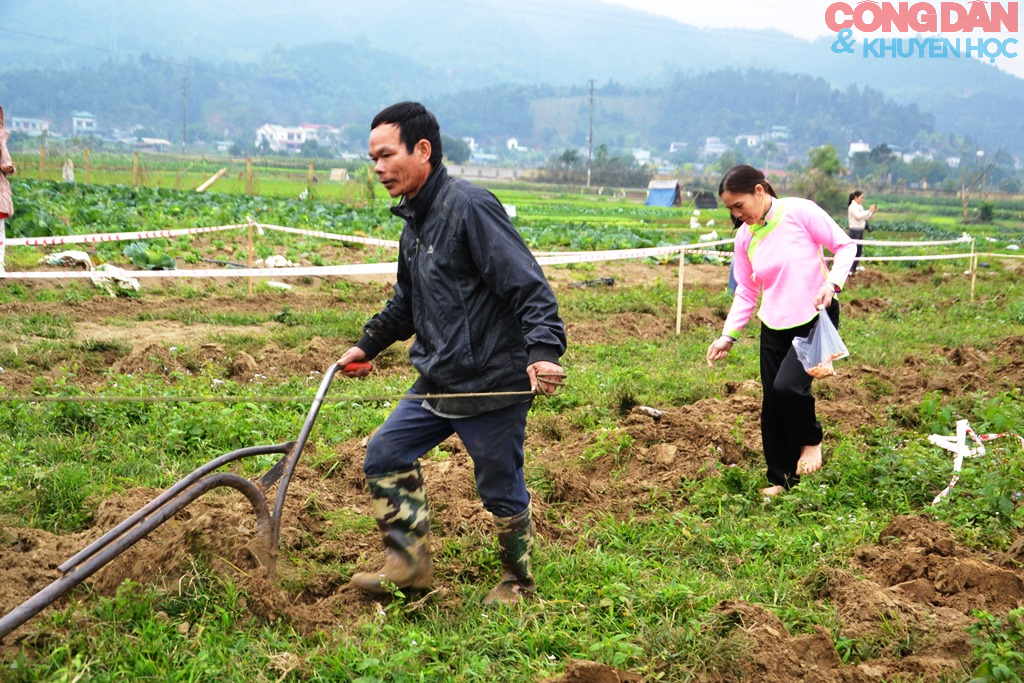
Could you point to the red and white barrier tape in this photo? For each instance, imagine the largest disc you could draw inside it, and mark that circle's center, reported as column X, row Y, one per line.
column 921, row 257
column 551, row 258
column 114, row 236
column 543, row 258
column 655, row 251
column 993, row 255
column 958, row 445
column 311, row 271
column 393, row 244
column 962, row 239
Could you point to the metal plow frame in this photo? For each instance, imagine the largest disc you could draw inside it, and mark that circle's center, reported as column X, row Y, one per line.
column 126, row 534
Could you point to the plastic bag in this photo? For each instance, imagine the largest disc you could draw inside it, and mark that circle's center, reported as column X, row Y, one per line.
column 820, row 348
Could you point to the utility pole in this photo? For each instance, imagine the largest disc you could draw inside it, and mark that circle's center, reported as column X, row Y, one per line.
column 184, row 113
column 590, row 136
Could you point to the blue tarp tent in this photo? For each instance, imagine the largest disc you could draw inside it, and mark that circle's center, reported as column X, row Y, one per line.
column 664, row 193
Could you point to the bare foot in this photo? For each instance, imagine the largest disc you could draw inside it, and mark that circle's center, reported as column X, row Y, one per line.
column 810, row 460
column 772, row 491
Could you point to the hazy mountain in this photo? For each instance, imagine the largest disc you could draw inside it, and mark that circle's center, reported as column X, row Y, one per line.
column 361, row 55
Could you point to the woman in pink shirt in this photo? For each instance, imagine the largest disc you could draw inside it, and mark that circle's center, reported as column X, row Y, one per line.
column 6, row 203
column 779, row 257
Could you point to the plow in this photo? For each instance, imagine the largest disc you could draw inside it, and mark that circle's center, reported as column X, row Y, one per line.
column 263, row 546
column 161, row 509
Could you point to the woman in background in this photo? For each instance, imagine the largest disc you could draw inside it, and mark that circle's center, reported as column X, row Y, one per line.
column 858, row 219
column 779, row 258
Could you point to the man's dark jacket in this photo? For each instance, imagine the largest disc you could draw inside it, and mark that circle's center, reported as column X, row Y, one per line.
column 472, row 293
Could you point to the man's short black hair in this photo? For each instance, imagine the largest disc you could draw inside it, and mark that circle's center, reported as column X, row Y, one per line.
column 414, row 123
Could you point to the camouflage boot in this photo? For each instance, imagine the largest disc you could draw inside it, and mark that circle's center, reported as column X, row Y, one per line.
column 515, row 547
column 400, row 506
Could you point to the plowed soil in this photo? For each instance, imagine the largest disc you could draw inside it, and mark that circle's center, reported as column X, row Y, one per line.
column 915, row 573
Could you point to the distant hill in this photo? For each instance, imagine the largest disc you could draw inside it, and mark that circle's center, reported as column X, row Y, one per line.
column 350, row 58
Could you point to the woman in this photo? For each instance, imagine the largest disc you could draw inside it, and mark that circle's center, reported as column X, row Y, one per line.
column 858, row 218
column 778, row 254
column 6, row 203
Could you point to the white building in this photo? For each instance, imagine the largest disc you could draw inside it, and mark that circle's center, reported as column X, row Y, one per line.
column 859, row 147
column 83, row 123
column 33, row 127
column 714, row 147
column 291, row 138
column 641, row 156
column 912, row 156
column 153, row 145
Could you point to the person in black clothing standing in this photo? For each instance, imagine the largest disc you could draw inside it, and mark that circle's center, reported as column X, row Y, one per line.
column 486, row 323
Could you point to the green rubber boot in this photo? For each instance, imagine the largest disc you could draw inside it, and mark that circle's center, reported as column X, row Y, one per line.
column 515, row 547
column 400, row 506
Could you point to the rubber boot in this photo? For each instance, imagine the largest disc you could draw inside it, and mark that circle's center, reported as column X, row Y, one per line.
column 515, row 548
column 400, row 506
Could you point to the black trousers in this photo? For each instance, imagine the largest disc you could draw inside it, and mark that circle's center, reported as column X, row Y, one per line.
column 788, row 422
column 856, row 234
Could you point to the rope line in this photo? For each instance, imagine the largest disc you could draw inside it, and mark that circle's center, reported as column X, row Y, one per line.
column 252, row 399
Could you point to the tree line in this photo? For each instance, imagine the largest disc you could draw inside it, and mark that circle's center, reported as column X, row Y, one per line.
column 344, row 85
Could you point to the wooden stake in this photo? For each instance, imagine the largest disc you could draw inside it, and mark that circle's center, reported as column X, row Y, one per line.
column 250, row 257
column 248, row 177
column 974, row 268
column 679, row 297
column 42, row 161
column 214, row 178
column 85, row 155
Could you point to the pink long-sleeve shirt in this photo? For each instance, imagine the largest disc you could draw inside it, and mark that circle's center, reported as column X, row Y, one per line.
column 6, row 169
column 783, row 261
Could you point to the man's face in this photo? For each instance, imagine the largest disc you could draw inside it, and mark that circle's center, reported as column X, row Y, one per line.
column 401, row 172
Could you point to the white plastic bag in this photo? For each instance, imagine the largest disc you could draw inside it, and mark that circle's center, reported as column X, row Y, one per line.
column 820, row 348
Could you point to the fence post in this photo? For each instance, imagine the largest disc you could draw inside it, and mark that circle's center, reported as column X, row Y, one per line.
column 250, row 257
column 974, row 268
column 679, row 295
column 135, row 169
column 85, row 162
column 42, row 161
column 248, row 177
column 310, row 179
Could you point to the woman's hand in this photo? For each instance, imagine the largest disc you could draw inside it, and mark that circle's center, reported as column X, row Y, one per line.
column 719, row 349
column 825, row 294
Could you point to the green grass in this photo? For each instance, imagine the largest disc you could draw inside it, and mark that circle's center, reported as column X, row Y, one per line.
column 634, row 589
column 634, row 592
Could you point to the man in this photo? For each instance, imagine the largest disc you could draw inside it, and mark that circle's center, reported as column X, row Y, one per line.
column 486, row 323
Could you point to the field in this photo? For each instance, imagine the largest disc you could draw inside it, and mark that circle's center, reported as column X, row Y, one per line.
column 657, row 560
